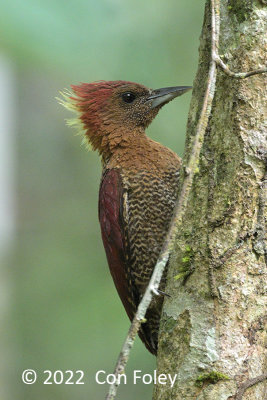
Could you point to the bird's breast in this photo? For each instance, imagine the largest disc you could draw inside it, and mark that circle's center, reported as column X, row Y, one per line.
column 150, row 203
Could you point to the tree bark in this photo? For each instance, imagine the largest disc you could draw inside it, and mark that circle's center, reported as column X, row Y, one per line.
column 213, row 326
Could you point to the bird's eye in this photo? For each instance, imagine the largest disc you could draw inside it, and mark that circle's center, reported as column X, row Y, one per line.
column 128, row 97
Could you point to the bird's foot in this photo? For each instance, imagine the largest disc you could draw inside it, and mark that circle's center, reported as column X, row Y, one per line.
column 164, row 293
column 158, row 292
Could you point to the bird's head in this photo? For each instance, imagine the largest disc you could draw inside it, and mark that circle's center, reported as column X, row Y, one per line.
column 108, row 112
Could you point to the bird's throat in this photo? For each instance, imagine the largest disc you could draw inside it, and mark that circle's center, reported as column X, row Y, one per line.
column 111, row 141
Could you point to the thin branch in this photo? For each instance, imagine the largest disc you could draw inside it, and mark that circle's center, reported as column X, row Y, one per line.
column 215, row 51
column 249, row 383
column 179, row 209
column 240, row 75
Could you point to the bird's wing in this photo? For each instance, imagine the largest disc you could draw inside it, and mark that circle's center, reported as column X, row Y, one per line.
column 115, row 220
column 112, row 199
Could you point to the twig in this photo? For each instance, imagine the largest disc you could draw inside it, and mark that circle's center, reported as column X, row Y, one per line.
column 240, row 75
column 217, row 58
column 249, row 383
column 179, row 211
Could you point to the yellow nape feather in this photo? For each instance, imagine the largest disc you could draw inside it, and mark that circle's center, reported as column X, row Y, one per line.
column 68, row 103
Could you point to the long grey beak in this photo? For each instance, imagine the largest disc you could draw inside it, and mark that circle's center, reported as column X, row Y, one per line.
column 164, row 95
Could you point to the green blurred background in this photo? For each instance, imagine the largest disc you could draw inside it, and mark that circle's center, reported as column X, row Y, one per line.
column 58, row 306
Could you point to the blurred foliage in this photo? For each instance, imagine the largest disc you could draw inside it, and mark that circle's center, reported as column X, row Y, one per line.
column 65, row 312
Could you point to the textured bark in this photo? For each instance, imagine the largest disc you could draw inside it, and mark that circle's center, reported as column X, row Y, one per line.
column 213, row 327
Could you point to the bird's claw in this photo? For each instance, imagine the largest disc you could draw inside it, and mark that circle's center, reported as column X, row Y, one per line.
column 155, row 291
column 164, row 293
column 158, row 292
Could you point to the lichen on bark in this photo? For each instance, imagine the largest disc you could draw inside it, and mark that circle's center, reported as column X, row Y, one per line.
column 214, row 319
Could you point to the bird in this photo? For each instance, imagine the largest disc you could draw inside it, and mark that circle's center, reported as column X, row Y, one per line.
column 138, row 187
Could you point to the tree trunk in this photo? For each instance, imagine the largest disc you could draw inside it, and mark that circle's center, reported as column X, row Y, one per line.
column 212, row 327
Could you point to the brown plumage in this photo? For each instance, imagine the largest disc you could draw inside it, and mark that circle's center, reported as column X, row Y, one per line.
column 138, row 187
